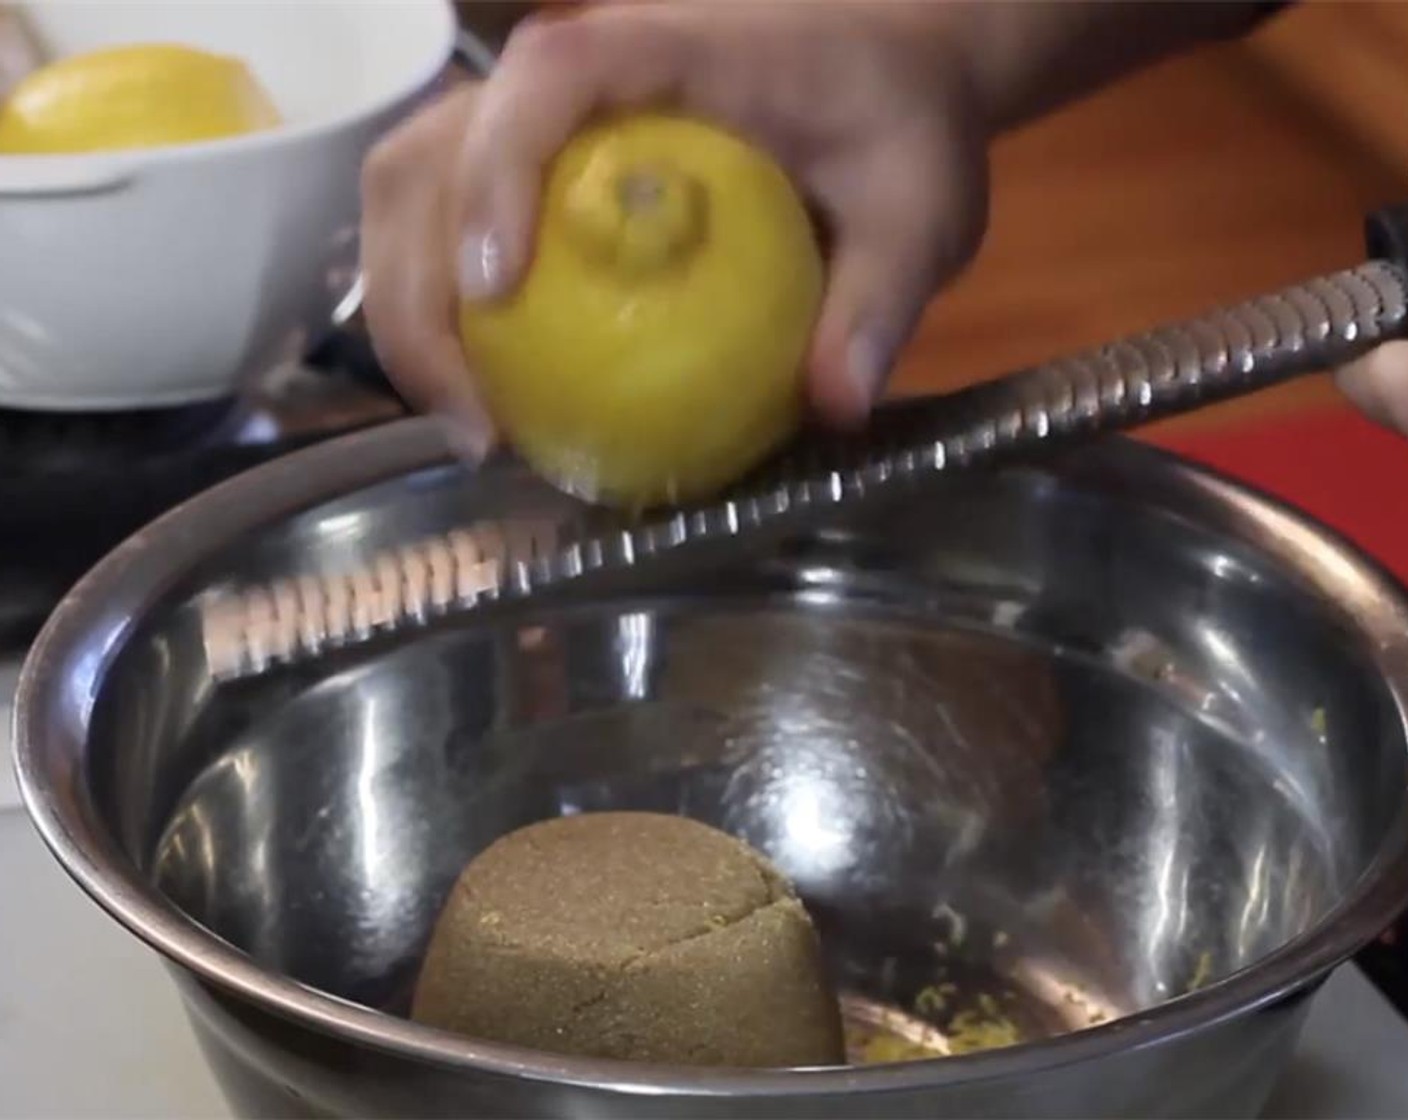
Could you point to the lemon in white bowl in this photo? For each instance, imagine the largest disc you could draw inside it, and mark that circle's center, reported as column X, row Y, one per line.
column 140, row 95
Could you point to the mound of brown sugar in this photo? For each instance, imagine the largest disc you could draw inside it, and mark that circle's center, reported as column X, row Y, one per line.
column 633, row 936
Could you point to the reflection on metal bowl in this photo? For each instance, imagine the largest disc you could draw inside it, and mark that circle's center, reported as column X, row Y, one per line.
column 1095, row 770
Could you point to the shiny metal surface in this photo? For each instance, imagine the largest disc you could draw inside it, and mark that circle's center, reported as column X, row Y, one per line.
column 1110, row 743
column 1309, row 327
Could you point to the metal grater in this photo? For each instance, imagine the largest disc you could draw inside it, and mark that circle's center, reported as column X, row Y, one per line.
column 1226, row 353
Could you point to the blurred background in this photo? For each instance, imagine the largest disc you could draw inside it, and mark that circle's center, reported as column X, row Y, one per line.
column 1234, row 169
column 1214, row 176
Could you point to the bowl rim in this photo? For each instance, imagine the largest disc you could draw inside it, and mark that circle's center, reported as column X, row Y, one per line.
column 64, row 670
column 453, row 41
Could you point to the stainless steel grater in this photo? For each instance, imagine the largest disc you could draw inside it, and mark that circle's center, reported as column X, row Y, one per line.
column 1173, row 369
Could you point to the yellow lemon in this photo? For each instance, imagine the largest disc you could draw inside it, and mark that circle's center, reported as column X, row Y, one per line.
column 137, row 96
column 654, row 350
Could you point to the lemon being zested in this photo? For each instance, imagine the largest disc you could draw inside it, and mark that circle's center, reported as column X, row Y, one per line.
column 142, row 95
column 654, row 351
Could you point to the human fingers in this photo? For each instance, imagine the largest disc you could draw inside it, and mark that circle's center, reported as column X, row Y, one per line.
column 905, row 220
column 1377, row 384
column 409, row 293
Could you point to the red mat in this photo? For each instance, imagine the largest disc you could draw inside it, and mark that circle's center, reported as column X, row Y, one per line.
column 1330, row 462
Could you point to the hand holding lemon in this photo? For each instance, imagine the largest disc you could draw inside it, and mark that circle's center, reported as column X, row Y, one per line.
column 654, row 350
column 633, row 295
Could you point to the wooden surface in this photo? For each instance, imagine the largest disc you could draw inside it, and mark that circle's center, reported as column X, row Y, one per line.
column 1208, row 179
column 1349, row 60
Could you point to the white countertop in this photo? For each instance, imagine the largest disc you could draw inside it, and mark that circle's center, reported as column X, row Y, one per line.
column 90, row 1024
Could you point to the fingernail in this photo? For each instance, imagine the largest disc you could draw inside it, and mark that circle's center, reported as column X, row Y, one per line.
column 481, row 265
column 868, row 364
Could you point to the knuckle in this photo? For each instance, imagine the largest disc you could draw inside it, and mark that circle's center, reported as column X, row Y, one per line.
column 407, row 152
column 540, row 41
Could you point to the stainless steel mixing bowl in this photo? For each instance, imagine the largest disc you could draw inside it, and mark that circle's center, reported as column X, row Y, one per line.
column 1111, row 751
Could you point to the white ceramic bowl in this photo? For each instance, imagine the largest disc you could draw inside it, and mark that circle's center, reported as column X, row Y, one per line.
column 163, row 277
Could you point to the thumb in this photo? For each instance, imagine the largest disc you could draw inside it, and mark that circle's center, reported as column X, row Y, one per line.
column 1377, row 384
